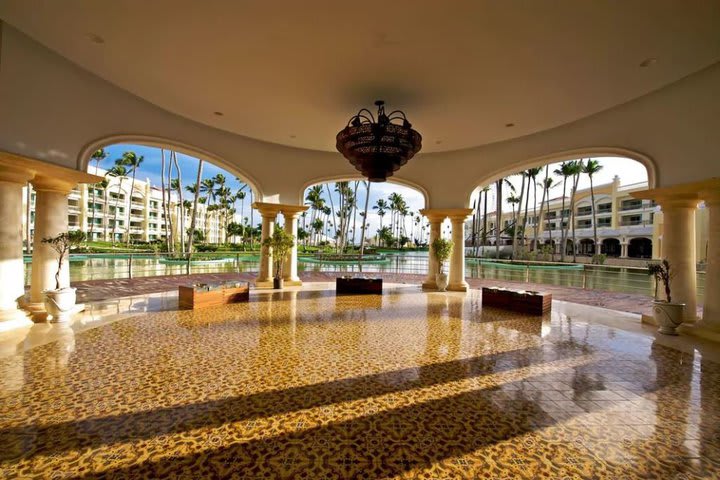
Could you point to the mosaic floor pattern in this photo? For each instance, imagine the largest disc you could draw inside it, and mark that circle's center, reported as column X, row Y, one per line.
column 307, row 385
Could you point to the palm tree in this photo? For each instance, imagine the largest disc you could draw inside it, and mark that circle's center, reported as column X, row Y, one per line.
column 485, row 191
column 591, row 168
column 565, row 170
column 364, row 218
column 207, row 187
column 97, row 156
column 195, row 190
column 104, row 186
column 532, row 174
column 381, row 207
column 577, row 168
column 546, row 185
column 517, row 220
column 117, row 171
column 133, row 162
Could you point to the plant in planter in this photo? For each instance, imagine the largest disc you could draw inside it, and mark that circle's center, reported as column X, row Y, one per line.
column 59, row 303
column 668, row 315
column 281, row 243
column 441, row 249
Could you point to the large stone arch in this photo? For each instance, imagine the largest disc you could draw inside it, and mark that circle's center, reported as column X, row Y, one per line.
column 589, row 152
column 153, row 141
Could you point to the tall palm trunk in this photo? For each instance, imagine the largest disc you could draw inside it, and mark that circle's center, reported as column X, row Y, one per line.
column 524, row 227
column 169, row 219
column 536, row 226
column 332, row 208
column 563, row 229
column 182, row 203
column 576, row 179
column 191, row 233
column 596, row 249
column 164, row 203
column 115, row 217
column 485, row 207
column 517, row 229
column 132, row 189
column 364, row 218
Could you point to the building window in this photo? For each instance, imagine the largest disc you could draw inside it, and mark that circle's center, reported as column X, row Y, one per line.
column 153, row 204
column 631, row 204
column 630, row 220
column 584, row 223
column 551, row 215
column 604, row 208
column 587, row 210
column 604, row 222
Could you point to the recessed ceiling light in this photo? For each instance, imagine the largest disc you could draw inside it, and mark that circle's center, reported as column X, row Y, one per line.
column 508, row 125
column 219, row 114
column 438, row 142
column 293, row 136
column 95, row 38
column 648, row 62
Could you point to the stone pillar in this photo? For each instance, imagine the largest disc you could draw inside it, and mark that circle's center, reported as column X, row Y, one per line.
column 290, row 275
column 456, row 280
column 265, row 275
column 711, row 307
column 51, row 219
column 433, row 267
column 11, row 248
column 679, row 250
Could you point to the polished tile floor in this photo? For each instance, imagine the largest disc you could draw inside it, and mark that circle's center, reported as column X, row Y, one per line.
column 304, row 384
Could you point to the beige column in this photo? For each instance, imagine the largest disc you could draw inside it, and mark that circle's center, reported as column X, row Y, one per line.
column 456, row 281
column 265, row 275
column 51, row 219
column 290, row 269
column 623, row 250
column 679, row 250
column 711, row 306
column 435, row 225
column 11, row 248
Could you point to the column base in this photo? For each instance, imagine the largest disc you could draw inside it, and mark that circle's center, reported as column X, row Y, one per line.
column 14, row 319
column 458, row 287
column 292, row 281
column 698, row 330
column 428, row 285
column 265, row 283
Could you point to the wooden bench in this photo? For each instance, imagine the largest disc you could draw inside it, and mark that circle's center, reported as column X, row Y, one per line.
column 211, row 295
column 358, row 285
column 530, row 302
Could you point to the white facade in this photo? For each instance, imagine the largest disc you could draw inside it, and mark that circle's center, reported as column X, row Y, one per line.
column 95, row 210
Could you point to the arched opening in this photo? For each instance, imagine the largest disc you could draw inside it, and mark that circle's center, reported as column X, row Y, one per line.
column 587, row 247
column 611, row 247
column 573, row 195
column 640, row 248
column 156, row 195
column 349, row 215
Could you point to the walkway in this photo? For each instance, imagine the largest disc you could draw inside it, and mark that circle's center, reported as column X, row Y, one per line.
column 103, row 289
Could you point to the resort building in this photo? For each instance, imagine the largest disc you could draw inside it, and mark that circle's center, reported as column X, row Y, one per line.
column 627, row 227
column 113, row 213
column 278, row 372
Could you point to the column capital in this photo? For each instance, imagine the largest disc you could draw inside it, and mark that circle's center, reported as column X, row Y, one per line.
column 50, row 184
column 680, row 201
column 440, row 214
column 292, row 211
column 711, row 197
column 15, row 175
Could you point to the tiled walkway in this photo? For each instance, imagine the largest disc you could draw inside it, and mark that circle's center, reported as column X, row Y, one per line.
column 302, row 384
column 104, row 289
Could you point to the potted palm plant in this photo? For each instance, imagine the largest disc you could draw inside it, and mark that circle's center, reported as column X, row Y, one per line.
column 59, row 303
column 668, row 315
column 281, row 243
column 441, row 248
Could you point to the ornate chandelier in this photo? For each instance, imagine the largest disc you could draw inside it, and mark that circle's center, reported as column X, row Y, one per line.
column 378, row 148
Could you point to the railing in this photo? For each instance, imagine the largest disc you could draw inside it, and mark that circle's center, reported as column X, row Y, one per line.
column 133, row 265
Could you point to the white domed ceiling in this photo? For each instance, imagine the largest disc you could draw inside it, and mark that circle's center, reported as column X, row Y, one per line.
column 293, row 72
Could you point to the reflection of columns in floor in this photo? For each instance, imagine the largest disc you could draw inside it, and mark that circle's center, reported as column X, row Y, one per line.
column 11, row 244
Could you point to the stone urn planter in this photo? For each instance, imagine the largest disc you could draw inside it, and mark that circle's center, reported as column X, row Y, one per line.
column 441, row 280
column 60, row 304
column 441, row 250
column 278, row 283
column 668, row 315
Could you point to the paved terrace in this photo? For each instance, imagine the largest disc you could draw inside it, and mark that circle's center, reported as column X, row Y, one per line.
column 94, row 290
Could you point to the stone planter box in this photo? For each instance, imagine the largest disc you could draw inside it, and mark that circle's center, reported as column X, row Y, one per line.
column 358, row 285
column 533, row 303
column 210, row 295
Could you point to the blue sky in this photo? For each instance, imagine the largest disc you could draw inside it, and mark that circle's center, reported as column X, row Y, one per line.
column 629, row 171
